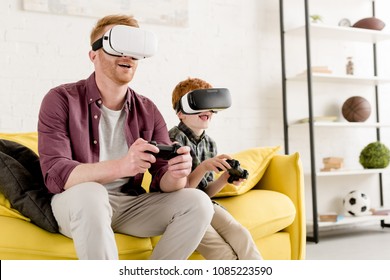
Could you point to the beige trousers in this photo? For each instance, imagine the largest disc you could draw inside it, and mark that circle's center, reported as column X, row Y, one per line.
column 90, row 216
column 227, row 239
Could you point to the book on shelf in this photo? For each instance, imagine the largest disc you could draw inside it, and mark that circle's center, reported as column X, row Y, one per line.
column 380, row 212
column 319, row 69
column 332, row 163
column 330, row 217
column 333, row 160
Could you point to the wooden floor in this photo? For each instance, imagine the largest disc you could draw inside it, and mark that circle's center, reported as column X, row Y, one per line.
column 368, row 242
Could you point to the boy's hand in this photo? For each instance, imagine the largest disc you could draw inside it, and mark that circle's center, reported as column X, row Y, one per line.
column 216, row 164
column 238, row 182
column 225, row 176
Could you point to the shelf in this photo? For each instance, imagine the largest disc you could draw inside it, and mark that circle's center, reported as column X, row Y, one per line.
column 349, row 221
column 321, row 31
column 343, row 124
column 331, row 78
column 321, row 34
column 343, row 172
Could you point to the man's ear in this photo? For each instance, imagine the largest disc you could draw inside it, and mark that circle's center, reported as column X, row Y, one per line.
column 92, row 55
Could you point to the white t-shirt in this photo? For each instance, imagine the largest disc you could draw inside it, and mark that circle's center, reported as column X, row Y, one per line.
column 113, row 143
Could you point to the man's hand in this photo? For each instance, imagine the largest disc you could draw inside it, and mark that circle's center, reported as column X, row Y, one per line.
column 179, row 168
column 181, row 165
column 137, row 160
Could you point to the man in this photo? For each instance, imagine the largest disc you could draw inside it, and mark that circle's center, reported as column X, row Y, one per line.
column 94, row 150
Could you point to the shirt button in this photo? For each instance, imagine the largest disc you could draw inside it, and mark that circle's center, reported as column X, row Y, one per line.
column 95, row 117
column 100, row 102
column 90, row 99
column 95, row 142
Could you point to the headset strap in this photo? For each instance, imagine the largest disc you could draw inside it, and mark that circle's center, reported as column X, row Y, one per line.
column 97, row 44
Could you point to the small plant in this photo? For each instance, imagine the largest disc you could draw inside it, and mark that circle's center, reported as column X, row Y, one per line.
column 316, row 18
column 375, row 155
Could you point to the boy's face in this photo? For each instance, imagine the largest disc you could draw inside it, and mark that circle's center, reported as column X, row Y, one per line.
column 197, row 123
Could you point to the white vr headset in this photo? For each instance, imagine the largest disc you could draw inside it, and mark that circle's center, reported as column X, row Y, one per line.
column 123, row 40
column 204, row 100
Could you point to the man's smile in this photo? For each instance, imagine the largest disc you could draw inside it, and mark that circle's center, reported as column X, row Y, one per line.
column 125, row 65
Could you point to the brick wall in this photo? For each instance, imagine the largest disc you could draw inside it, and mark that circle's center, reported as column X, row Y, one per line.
column 228, row 43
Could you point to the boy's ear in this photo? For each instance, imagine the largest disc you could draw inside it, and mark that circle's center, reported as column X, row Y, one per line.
column 180, row 115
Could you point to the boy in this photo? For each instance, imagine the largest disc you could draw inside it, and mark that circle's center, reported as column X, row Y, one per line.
column 225, row 238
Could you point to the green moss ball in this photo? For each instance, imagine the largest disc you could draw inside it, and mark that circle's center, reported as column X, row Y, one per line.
column 375, row 155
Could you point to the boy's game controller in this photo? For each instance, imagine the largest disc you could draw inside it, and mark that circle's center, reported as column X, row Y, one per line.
column 166, row 151
column 236, row 172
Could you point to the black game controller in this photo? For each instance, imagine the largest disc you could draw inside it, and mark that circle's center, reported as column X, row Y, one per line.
column 236, row 172
column 166, row 151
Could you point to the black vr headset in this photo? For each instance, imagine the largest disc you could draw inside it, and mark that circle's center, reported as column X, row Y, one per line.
column 123, row 40
column 204, row 100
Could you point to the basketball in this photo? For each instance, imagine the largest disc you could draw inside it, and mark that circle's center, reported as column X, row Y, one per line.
column 356, row 109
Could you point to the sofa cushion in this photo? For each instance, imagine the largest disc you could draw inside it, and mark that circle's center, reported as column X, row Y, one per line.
column 22, row 184
column 262, row 212
column 275, row 246
column 22, row 240
column 255, row 161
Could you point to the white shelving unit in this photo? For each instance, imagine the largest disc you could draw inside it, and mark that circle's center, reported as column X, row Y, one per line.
column 340, row 33
column 344, row 124
column 347, row 221
column 352, row 172
column 310, row 32
column 331, row 78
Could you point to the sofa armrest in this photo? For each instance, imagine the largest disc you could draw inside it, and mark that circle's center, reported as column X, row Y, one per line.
column 285, row 175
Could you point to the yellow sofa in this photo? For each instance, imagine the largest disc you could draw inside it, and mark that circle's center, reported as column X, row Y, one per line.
column 272, row 209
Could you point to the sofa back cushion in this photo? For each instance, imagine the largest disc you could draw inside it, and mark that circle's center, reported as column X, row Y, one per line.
column 255, row 161
column 28, row 139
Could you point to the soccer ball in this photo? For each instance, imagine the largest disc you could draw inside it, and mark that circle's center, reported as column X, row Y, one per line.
column 357, row 203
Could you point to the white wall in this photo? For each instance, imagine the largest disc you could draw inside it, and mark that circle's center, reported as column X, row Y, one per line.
column 233, row 44
column 228, row 43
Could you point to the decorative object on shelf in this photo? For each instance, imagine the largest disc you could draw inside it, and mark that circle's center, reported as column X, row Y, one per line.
column 356, row 109
column 345, row 22
column 332, row 163
column 349, row 67
column 375, row 155
column 357, row 203
column 320, row 119
column 316, row 18
column 370, row 23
